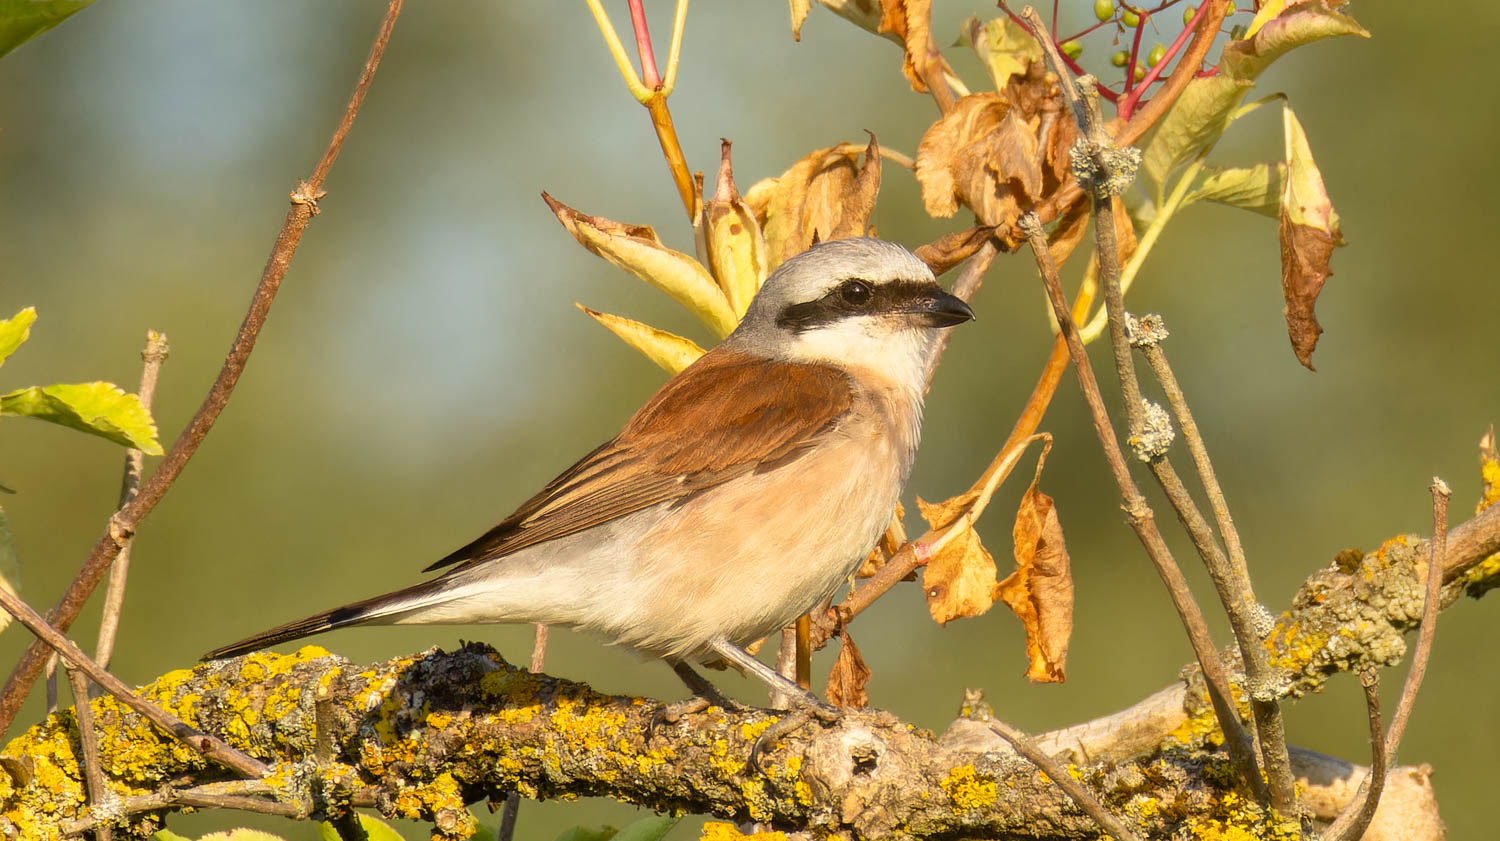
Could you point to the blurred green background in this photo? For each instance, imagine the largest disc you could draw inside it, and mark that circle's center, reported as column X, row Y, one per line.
column 424, row 369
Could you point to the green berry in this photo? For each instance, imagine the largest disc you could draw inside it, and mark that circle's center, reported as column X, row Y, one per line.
column 1187, row 14
column 1230, row 11
column 1104, row 9
column 1131, row 19
column 1154, row 57
column 1120, row 58
column 1072, row 49
column 1140, row 72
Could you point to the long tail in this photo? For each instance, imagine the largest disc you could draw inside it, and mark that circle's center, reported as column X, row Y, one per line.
column 370, row 610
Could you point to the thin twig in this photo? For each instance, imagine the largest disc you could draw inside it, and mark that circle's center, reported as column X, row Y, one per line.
column 210, row 746
column 1063, row 780
column 100, row 796
column 512, row 810
column 123, row 524
column 244, row 795
column 1352, row 822
column 152, row 356
column 1436, row 548
column 1142, row 521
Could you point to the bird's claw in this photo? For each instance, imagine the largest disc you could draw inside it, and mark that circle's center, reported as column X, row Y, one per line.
column 788, row 724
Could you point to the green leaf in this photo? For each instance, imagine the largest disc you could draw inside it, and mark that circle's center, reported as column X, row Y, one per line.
column 1197, row 120
column 1295, row 26
column 15, row 331
column 102, row 409
column 1257, row 188
column 653, row 828
column 1005, row 48
column 168, row 835
column 1204, row 110
column 588, row 833
column 375, row 828
column 241, row 834
column 22, row 20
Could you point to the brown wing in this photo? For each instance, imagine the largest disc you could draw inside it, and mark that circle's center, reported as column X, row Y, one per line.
column 725, row 415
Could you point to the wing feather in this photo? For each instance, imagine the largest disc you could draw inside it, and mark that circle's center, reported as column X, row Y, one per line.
column 725, row 415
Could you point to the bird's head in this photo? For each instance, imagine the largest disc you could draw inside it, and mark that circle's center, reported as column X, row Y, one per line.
column 860, row 302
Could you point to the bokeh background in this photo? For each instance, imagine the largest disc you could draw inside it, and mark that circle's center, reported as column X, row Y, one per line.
column 424, row 369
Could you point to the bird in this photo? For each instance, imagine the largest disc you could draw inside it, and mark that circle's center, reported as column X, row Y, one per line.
column 744, row 492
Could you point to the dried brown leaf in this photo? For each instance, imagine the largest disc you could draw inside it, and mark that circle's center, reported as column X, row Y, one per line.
column 911, row 21
column 1309, row 233
column 950, row 249
column 827, row 195
column 848, row 679
column 1040, row 591
column 985, row 155
column 959, row 579
column 890, row 543
column 733, row 245
column 799, row 10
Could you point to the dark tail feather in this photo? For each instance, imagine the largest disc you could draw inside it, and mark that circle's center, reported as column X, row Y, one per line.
column 357, row 613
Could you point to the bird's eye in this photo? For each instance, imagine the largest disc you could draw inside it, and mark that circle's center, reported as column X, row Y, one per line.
column 855, row 292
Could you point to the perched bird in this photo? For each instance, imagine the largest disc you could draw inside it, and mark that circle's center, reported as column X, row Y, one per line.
column 744, row 492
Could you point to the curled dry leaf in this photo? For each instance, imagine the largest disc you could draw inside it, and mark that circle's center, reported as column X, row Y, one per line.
column 799, row 10
column 670, row 351
column 911, row 22
column 638, row 250
column 1309, row 233
column 1040, row 591
column 734, row 247
column 849, row 677
column 959, row 579
column 825, row 196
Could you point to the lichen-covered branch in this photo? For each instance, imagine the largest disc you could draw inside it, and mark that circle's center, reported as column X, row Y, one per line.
column 424, row 736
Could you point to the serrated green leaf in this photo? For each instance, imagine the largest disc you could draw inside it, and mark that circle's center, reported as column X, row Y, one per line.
column 15, row 331
column 375, row 828
column 1257, row 188
column 588, row 833
column 669, row 350
column 22, row 20
column 653, row 828
column 10, row 565
column 99, row 408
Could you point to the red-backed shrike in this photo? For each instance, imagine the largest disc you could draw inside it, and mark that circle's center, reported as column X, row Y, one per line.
column 744, row 492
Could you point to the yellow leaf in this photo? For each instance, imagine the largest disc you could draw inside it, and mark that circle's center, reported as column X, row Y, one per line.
column 959, row 579
column 799, row 10
column 637, row 249
column 668, row 350
column 1006, row 49
column 735, row 247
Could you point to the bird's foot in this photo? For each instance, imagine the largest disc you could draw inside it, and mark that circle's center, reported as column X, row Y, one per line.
column 809, row 708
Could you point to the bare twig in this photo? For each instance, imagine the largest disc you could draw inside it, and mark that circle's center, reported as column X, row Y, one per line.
column 1063, row 780
column 243, row 795
column 100, row 796
column 1138, row 514
column 1436, row 548
column 152, row 356
column 210, row 746
column 123, row 524
column 1351, row 822
column 512, row 810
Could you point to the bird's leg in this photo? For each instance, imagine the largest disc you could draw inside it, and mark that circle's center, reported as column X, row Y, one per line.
column 807, row 705
column 777, row 681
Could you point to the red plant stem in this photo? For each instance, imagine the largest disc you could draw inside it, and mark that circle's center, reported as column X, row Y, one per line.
column 649, row 75
column 123, row 524
column 1132, row 98
column 1135, row 52
column 1072, row 65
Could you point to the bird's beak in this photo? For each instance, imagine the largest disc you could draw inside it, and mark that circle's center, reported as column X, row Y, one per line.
column 940, row 309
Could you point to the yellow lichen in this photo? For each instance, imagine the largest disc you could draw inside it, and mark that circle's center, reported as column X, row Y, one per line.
column 720, row 831
column 968, row 790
